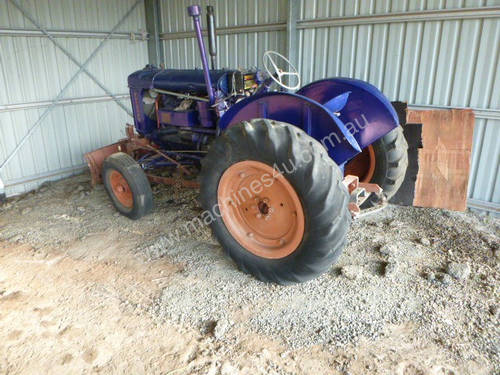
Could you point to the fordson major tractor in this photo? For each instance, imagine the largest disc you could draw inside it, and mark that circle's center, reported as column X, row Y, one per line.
column 281, row 173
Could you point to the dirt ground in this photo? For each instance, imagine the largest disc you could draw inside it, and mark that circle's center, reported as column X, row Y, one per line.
column 85, row 290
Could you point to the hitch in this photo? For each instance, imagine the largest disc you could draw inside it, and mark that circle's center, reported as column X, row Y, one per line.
column 359, row 192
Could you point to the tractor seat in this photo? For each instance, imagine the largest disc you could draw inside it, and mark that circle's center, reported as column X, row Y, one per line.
column 190, row 81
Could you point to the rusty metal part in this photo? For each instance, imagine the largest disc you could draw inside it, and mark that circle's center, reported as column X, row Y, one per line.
column 266, row 219
column 129, row 130
column 179, row 165
column 136, row 142
column 359, row 193
column 354, row 209
column 121, row 189
column 362, row 165
column 131, row 145
column 351, row 182
column 157, row 108
column 96, row 158
column 371, row 188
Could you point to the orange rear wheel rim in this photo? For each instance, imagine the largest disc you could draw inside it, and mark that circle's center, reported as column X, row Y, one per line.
column 363, row 165
column 121, row 189
column 261, row 209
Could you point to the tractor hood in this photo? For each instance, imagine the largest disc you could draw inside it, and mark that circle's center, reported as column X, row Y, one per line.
column 189, row 81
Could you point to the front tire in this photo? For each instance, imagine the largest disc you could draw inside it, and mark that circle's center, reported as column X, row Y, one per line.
column 127, row 186
column 310, row 184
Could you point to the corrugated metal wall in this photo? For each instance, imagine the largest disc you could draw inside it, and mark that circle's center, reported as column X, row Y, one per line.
column 239, row 48
column 444, row 63
column 33, row 71
column 451, row 60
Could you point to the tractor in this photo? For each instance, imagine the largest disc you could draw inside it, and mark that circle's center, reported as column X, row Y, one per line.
column 281, row 173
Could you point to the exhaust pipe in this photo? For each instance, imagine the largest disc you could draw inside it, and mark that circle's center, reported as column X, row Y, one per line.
column 194, row 11
column 212, row 44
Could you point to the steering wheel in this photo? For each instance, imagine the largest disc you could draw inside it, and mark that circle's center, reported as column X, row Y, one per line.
column 268, row 57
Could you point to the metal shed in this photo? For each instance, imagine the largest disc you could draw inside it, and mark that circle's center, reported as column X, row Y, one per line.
column 430, row 53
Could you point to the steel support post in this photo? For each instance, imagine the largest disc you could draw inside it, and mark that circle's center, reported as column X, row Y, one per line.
column 153, row 27
column 292, row 36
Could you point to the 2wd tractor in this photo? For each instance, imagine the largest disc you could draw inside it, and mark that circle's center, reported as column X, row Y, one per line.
column 280, row 173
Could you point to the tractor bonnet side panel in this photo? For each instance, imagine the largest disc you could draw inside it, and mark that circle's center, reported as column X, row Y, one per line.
column 143, row 124
column 139, row 82
column 367, row 113
column 308, row 115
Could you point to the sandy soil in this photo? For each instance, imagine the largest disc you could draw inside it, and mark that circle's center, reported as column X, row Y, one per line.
column 80, row 290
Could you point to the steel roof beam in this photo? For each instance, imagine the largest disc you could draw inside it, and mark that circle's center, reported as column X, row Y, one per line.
column 414, row 16
column 36, row 33
column 265, row 27
column 67, row 101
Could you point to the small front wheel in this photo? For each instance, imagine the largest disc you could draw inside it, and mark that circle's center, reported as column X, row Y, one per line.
column 127, row 186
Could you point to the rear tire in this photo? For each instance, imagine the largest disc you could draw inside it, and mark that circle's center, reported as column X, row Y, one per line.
column 316, row 180
column 391, row 154
column 127, row 186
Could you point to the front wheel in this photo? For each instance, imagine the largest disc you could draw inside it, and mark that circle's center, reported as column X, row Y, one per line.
column 277, row 199
column 127, row 186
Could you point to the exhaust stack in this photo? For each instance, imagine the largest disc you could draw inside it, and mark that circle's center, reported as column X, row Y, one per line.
column 194, row 11
column 212, row 44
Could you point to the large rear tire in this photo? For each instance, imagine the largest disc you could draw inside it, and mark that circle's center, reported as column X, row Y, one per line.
column 307, row 228
column 127, row 186
column 384, row 163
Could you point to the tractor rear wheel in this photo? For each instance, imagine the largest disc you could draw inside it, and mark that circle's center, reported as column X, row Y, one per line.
column 277, row 200
column 384, row 163
column 127, row 186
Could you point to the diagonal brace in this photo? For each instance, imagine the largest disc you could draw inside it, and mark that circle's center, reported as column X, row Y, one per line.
column 71, row 57
column 82, row 67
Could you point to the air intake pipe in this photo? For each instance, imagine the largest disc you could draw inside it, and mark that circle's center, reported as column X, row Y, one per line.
column 212, row 44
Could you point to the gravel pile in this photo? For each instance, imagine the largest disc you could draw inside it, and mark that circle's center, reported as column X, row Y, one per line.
column 434, row 269
column 61, row 212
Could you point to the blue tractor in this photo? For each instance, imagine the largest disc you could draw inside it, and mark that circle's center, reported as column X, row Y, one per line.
column 280, row 173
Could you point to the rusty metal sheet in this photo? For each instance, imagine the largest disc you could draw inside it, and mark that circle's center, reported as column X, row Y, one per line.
column 96, row 158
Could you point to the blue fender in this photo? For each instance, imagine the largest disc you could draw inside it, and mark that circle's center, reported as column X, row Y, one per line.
column 314, row 118
column 366, row 112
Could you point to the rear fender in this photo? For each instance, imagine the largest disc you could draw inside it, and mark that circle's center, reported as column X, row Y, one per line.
column 367, row 113
column 307, row 114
